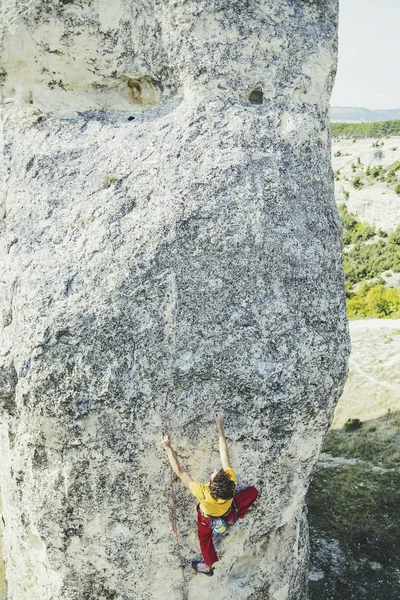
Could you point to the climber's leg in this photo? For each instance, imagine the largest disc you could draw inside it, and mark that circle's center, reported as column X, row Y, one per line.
column 243, row 500
column 205, row 538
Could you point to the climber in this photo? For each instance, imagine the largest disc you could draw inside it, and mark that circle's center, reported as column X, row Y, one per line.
column 219, row 504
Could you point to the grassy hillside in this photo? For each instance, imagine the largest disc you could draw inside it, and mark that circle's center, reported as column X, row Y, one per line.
column 355, row 531
column 354, row 499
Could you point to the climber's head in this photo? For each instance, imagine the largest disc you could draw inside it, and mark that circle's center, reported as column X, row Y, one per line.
column 221, row 485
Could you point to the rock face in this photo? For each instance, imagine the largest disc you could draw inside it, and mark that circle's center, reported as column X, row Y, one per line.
column 374, row 201
column 169, row 245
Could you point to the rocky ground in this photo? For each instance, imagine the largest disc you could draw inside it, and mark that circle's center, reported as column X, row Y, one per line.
column 354, row 499
column 373, row 200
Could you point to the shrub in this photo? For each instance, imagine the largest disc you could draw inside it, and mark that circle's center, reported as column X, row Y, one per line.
column 352, row 424
column 353, row 230
column 394, row 238
column 374, row 301
column 375, row 171
column 397, row 189
column 357, row 183
column 363, row 262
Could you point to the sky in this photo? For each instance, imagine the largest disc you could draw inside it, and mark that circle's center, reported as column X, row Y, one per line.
column 369, row 54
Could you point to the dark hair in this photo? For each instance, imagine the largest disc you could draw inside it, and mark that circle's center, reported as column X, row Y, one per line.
column 222, row 486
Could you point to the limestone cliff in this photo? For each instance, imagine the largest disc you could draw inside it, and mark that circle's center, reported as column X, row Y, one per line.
column 169, row 244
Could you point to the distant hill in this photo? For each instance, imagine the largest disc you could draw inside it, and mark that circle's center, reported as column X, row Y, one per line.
column 347, row 114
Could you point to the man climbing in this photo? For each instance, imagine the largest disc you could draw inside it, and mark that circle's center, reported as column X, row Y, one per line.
column 219, row 504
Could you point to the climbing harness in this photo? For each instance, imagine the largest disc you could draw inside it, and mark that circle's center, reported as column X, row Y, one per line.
column 185, row 593
column 219, row 524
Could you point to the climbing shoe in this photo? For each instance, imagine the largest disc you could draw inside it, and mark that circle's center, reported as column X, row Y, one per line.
column 200, row 567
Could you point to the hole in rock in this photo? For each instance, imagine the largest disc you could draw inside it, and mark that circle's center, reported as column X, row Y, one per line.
column 136, row 90
column 144, row 91
column 256, row 97
column 131, row 118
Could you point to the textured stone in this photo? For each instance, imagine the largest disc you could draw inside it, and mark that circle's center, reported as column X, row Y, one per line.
column 169, row 245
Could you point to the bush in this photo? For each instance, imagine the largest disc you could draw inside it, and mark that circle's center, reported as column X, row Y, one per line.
column 352, row 424
column 357, row 183
column 394, row 238
column 375, row 171
column 397, row 189
column 374, row 301
column 363, row 262
column 353, row 230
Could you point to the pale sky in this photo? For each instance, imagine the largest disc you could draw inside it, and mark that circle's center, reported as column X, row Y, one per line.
column 369, row 54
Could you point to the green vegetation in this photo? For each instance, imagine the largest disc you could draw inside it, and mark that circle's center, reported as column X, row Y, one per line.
column 364, row 130
column 339, row 153
column 353, row 230
column 377, row 441
column 354, row 513
column 357, row 183
column 389, row 175
column 352, row 424
column 354, row 529
column 374, row 301
column 380, row 173
column 364, row 262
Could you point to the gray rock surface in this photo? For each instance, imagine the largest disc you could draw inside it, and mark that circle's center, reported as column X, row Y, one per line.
column 169, row 245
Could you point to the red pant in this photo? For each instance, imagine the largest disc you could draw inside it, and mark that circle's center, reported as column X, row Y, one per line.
column 244, row 500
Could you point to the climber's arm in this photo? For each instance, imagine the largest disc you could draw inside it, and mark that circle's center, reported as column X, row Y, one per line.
column 174, row 462
column 223, row 447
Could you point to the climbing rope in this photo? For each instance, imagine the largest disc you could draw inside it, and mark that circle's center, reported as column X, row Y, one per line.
column 185, row 594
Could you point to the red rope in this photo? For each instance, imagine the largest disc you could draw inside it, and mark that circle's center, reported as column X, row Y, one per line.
column 185, row 594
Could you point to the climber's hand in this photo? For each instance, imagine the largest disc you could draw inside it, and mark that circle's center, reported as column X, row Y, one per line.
column 166, row 439
column 219, row 417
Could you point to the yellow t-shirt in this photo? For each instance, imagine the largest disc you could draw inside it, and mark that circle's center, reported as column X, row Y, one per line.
column 208, row 504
